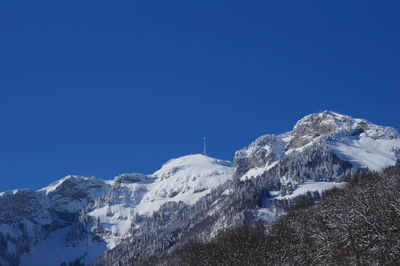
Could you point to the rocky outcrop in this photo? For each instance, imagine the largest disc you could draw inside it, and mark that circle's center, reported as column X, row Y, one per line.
column 265, row 150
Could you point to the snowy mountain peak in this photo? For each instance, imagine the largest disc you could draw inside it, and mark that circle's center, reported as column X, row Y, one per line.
column 68, row 179
column 185, row 179
column 194, row 163
column 357, row 141
column 328, row 122
column 322, row 124
column 72, row 192
column 326, row 117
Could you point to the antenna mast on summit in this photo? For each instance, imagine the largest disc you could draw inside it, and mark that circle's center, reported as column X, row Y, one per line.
column 204, row 142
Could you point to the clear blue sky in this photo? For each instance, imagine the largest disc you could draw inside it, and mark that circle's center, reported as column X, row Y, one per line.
column 98, row 88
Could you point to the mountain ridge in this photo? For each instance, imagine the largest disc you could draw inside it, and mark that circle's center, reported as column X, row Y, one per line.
column 324, row 147
column 327, row 125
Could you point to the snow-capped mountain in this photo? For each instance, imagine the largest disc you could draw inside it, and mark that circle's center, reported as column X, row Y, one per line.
column 271, row 175
column 29, row 218
column 357, row 141
column 77, row 219
column 185, row 179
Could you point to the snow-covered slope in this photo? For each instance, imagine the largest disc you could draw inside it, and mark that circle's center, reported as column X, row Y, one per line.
column 366, row 152
column 56, row 249
column 184, row 179
column 112, row 214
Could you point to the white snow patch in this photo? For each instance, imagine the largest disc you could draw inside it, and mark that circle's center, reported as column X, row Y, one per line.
column 312, row 186
column 366, row 152
column 257, row 171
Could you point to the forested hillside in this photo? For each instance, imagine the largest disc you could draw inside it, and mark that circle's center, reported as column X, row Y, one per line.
column 356, row 225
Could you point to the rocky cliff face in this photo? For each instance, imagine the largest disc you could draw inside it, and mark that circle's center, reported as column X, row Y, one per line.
column 263, row 152
column 72, row 193
column 78, row 219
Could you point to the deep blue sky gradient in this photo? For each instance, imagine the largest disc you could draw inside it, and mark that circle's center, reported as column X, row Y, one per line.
column 98, row 88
